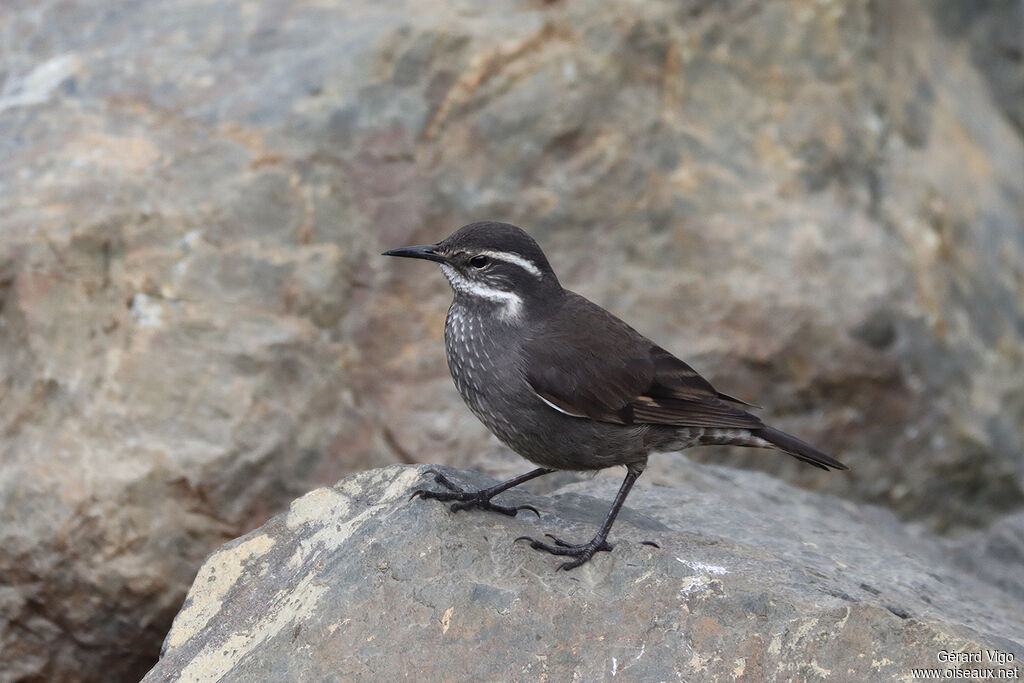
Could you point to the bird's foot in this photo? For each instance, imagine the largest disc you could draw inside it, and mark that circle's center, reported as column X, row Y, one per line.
column 468, row 500
column 582, row 551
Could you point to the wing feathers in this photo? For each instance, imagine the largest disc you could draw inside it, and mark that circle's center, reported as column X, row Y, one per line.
column 687, row 413
column 620, row 376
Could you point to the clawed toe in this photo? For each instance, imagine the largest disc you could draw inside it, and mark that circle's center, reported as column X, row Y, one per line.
column 445, row 481
column 582, row 552
column 433, row 495
column 485, row 504
column 467, row 500
column 559, row 542
column 579, row 547
column 566, row 566
column 530, row 508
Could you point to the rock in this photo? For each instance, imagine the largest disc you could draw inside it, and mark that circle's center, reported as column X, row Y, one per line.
column 754, row 580
column 142, row 429
column 995, row 35
column 816, row 203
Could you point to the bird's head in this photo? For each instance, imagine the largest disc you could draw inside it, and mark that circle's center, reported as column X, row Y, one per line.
column 496, row 265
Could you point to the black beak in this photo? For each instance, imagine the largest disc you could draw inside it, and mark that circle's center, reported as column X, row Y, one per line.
column 423, row 251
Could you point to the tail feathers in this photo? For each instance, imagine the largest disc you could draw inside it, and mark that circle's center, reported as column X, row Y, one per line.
column 798, row 449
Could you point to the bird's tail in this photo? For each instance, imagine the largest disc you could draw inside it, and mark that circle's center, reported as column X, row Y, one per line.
column 798, row 449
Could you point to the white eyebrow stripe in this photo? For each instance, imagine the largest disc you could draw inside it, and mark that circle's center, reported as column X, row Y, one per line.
column 524, row 263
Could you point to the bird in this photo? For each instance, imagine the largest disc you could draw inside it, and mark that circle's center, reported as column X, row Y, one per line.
column 568, row 385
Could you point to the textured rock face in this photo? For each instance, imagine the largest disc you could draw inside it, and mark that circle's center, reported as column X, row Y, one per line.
column 817, row 203
column 754, row 580
column 995, row 33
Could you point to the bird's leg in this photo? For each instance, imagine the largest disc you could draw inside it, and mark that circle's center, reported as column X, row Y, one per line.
column 584, row 551
column 480, row 499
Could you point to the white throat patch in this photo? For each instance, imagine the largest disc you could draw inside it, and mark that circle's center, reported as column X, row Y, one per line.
column 511, row 303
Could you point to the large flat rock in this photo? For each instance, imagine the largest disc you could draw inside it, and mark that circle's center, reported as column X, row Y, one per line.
column 754, row 580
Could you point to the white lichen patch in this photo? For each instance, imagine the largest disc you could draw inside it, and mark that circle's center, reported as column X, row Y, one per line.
column 819, row 669
column 294, row 605
column 703, row 568
column 322, row 505
column 395, row 480
column 693, row 584
column 400, row 485
column 329, row 508
column 700, row 581
column 215, row 579
column 328, row 539
column 147, row 312
column 39, row 84
column 841, row 624
column 320, row 522
column 805, row 629
column 699, row 663
column 739, row 667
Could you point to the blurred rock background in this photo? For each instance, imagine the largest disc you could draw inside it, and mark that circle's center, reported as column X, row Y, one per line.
column 819, row 204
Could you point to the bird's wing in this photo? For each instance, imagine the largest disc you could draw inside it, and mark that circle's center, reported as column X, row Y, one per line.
column 620, row 376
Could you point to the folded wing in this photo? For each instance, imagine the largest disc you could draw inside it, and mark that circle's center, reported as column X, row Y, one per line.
column 622, row 377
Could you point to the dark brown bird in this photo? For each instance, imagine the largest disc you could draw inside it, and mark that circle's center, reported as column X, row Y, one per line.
column 565, row 383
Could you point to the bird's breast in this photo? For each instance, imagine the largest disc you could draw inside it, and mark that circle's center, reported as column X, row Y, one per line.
column 472, row 350
column 482, row 357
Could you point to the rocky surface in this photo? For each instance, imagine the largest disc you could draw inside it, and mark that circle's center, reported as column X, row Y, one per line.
column 995, row 33
column 817, row 203
column 754, row 580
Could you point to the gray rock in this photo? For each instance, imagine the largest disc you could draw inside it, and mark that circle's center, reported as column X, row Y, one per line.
column 817, row 203
column 754, row 580
column 995, row 35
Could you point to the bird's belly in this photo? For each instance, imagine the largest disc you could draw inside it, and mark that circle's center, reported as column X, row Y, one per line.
column 572, row 443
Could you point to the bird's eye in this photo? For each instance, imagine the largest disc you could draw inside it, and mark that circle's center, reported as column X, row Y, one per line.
column 479, row 261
